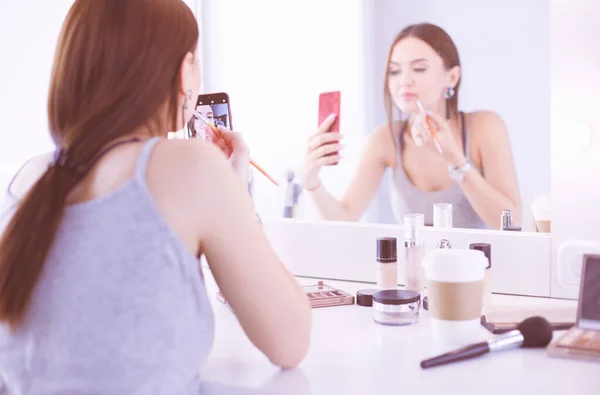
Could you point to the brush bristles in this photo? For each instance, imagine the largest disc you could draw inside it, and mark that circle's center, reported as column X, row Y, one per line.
column 537, row 332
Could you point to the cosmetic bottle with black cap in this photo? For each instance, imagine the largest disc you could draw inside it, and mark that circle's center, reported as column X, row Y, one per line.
column 387, row 263
column 486, row 248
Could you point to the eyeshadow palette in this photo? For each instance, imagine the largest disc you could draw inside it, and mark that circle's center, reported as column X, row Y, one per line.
column 322, row 295
column 580, row 339
column 583, row 340
column 319, row 295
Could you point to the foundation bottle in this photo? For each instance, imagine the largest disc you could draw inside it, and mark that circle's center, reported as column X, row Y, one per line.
column 387, row 263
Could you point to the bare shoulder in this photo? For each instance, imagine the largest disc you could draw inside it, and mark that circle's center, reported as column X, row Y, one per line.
column 28, row 174
column 383, row 134
column 191, row 182
column 486, row 125
column 381, row 143
column 186, row 163
column 489, row 137
column 189, row 150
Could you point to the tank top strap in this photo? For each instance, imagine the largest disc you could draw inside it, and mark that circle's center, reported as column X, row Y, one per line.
column 464, row 131
column 144, row 157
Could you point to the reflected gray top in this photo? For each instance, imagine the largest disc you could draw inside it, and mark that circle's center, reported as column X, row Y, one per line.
column 406, row 198
column 120, row 308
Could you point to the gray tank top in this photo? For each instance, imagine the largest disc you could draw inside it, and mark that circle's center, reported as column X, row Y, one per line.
column 120, row 308
column 406, row 198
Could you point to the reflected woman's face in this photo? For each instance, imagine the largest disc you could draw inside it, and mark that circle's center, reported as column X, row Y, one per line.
column 416, row 71
column 199, row 126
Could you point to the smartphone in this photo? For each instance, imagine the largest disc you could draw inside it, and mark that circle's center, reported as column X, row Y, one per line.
column 330, row 103
column 215, row 108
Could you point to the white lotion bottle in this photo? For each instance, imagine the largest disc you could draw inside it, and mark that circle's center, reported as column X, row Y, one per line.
column 387, row 263
column 414, row 250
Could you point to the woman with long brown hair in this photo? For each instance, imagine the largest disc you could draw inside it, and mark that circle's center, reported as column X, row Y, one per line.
column 100, row 284
column 468, row 165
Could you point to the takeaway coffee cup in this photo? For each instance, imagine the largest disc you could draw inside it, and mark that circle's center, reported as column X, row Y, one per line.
column 455, row 283
column 542, row 213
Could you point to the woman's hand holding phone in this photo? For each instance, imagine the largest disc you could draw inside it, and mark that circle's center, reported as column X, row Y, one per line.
column 323, row 150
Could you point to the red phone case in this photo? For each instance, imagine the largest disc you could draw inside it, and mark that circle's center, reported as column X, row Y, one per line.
column 330, row 103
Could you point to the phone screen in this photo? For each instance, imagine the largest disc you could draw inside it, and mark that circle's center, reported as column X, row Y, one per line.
column 213, row 107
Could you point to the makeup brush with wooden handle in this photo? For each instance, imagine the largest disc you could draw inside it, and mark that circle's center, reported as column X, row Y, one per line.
column 431, row 128
column 218, row 133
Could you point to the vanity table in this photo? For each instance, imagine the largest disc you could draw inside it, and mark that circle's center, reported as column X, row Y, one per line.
column 350, row 354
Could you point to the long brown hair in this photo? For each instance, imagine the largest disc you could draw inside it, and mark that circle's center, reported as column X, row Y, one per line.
column 116, row 69
column 442, row 43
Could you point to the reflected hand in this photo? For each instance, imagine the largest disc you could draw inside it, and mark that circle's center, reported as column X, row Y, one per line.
column 442, row 138
column 320, row 145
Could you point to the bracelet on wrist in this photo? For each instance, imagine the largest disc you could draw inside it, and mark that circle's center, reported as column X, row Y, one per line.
column 312, row 189
column 458, row 164
column 458, row 173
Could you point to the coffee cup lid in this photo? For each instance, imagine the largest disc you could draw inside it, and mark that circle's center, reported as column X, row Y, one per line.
column 541, row 208
column 455, row 265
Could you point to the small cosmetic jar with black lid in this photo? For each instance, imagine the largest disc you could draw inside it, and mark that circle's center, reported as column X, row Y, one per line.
column 396, row 307
column 364, row 297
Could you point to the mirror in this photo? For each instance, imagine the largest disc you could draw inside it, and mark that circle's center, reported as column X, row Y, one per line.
column 484, row 73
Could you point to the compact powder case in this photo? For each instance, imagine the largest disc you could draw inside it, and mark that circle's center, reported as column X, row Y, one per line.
column 396, row 307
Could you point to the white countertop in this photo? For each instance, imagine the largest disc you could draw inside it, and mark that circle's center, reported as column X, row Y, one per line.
column 350, row 354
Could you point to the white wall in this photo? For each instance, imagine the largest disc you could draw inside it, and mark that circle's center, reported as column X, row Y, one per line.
column 28, row 33
column 274, row 57
column 505, row 57
column 29, row 30
column 575, row 119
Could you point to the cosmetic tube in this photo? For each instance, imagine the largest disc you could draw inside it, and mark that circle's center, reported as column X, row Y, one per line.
column 413, row 252
column 442, row 215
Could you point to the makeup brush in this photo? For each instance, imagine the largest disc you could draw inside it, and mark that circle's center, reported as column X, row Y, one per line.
column 218, row 133
column 533, row 332
column 431, row 128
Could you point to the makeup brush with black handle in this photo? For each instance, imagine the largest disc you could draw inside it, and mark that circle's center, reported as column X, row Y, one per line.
column 533, row 332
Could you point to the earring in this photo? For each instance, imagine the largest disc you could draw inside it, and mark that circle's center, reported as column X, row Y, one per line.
column 184, row 107
column 449, row 92
column 188, row 97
